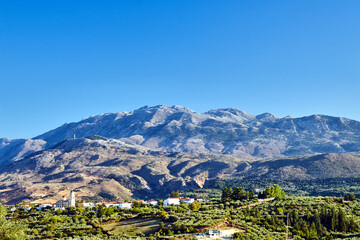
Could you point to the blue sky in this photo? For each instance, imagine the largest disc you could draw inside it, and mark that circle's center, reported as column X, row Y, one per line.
column 61, row 61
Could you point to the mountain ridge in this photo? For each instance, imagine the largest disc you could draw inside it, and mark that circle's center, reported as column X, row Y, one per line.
column 99, row 168
column 221, row 131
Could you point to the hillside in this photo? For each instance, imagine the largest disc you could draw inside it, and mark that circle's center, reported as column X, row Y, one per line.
column 102, row 168
column 222, row 131
column 107, row 168
column 15, row 149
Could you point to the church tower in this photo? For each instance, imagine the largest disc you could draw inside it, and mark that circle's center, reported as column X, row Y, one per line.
column 72, row 199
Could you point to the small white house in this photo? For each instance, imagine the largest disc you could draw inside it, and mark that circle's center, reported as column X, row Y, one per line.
column 44, row 205
column 187, row 200
column 87, row 204
column 171, row 201
column 214, row 232
column 152, row 202
column 111, row 204
column 125, row 205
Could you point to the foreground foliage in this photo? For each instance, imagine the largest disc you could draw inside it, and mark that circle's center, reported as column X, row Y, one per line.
column 278, row 217
column 9, row 230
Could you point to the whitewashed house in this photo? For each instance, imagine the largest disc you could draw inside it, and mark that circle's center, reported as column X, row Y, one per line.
column 214, row 232
column 187, row 200
column 152, row 202
column 171, row 201
column 44, row 205
column 87, row 204
column 125, row 205
column 111, row 204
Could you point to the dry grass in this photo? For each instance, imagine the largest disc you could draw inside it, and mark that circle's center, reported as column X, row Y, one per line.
column 131, row 227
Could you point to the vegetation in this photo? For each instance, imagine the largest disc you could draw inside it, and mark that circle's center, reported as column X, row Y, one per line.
column 279, row 216
column 238, row 194
column 334, row 187
column 9, row 230
column 175, row 194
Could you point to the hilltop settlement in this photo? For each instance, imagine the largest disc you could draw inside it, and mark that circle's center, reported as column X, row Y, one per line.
column 66, row 202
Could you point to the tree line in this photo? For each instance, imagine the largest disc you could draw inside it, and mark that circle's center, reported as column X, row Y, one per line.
column 239, row 193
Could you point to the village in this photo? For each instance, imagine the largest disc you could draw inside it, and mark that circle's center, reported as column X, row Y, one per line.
column 70, row 201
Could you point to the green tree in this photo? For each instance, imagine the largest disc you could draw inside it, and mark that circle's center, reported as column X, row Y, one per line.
column 343, row 224
column 239, row 194
column 195, row 206
column 251, row 194
column 175, row 194
column 352, row 197
column 334, row 218
column 9, row 230
column 161, row 225
column 274, row 191
column 224, row 195
column 227, row 194
column 109, row 211
column 238, row 235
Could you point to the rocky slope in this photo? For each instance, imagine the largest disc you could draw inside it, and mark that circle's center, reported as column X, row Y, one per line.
column 12, row 150
column 107, row 169
column 223, row 131
column 99, row 168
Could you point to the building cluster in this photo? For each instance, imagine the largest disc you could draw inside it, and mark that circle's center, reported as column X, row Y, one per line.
column 64, row 202
column 70, row 202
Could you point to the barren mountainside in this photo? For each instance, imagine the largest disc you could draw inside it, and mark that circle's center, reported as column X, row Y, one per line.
column 99, row 168
column 154, row 150
column 224, row 131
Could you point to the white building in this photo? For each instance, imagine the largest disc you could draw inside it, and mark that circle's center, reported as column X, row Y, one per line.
column 126, row 205
column 111, row 204
column 87, row 204
column 214, row 232
column 44, row 205
column 64, row 202
column 171, row 201
column 152, row 202
column 187, row 200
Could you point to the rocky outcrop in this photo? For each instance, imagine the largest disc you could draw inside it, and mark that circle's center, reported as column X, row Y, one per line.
column 108, row 169
column 221, row 131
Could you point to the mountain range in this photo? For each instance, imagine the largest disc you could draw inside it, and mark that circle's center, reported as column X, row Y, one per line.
column 98, row 169
column 153, row 150
column 222, row 131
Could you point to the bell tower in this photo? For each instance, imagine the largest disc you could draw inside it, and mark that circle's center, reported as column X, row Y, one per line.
column 72, row 199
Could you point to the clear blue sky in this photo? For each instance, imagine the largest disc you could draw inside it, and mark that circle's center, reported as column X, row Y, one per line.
column 61, row 61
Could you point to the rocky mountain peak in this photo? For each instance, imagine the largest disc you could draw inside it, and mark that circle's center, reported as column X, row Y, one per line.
column 222, row 131
column 267, row 117
column 230, row 112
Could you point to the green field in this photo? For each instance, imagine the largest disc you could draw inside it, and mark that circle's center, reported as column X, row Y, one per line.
column 132, row 227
